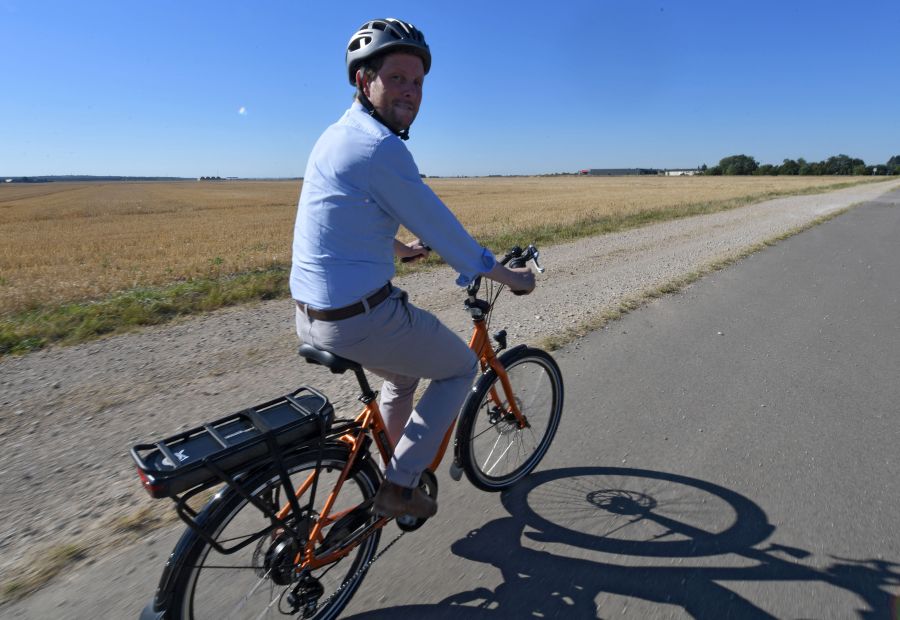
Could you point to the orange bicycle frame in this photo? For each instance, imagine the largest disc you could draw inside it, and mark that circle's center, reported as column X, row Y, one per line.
column 372, row 424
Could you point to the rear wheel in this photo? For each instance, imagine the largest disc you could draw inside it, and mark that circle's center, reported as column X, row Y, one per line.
column 260, row 580
column 493, row 451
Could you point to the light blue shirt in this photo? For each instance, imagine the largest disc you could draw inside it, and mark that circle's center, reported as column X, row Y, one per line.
column 360, row 184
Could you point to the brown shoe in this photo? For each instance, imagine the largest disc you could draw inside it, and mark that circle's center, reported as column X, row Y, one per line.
column 393, row 500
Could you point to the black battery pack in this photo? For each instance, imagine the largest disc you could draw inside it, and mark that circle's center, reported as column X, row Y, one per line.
column 232, row 444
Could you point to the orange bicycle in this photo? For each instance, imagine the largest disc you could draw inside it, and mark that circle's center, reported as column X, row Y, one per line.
column 291, row 532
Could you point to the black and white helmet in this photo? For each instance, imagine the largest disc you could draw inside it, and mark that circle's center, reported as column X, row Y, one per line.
column 382, row 35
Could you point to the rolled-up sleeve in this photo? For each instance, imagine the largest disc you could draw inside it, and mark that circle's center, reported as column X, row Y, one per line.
column 398, row 189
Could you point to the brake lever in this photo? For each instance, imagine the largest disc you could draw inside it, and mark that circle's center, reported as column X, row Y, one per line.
column 534, row 258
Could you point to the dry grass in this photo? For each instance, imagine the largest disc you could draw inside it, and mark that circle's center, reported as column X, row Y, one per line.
column 42, row 569
column 66, row 242
column 489, row 206
column 44, row 562
column 73, row 241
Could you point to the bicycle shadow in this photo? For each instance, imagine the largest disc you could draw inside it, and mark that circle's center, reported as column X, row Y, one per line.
column 637, row 514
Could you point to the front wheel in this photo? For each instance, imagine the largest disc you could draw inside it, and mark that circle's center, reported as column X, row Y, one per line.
column 493, row 451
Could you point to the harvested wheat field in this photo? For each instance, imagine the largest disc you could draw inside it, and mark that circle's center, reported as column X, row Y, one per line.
column 67, row 242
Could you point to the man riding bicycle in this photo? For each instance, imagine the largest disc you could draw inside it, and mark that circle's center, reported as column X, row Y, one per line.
column 360, row 185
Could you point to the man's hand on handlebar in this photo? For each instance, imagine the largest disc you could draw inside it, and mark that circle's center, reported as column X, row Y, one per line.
column 527, row 280
column 511, row 270
column 520, row 280
column 412, row 251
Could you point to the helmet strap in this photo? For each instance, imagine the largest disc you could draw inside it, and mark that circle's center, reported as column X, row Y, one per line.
column 403, row 134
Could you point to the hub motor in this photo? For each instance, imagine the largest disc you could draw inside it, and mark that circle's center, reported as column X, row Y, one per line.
column 278, row 563
column 275, row 555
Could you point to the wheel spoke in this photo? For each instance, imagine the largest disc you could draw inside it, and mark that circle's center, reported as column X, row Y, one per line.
column 502, row 454
column 243, row 602
column 494, row 447
column 269, row 606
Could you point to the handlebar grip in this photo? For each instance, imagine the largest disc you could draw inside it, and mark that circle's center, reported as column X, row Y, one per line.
column 522, row 261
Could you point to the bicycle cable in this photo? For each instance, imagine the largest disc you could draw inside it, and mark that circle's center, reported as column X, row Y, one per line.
column 496, row 296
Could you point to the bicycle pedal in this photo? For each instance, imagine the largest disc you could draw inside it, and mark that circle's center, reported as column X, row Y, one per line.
column 428, row 483
column 408, row 523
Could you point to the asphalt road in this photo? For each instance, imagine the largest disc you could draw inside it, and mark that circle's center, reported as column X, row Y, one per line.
column 726, row 452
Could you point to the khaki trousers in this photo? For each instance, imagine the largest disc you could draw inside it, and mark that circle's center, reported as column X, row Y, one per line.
column 403, row 344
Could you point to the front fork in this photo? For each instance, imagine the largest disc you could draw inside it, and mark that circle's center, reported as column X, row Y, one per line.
column 481, row 344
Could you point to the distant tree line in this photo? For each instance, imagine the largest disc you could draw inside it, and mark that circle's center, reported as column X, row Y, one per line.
column 30, row 180
column 83, row 177
column 835, row 165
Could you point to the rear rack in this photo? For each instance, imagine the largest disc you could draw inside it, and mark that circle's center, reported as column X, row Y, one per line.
column 232, row 444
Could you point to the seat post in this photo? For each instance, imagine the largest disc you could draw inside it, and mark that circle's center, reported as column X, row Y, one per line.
column 367, row 394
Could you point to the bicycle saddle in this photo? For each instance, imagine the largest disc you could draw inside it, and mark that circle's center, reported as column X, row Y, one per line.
column 338, row 365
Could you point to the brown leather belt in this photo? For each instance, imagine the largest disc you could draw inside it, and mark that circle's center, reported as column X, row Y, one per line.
column 339, row 314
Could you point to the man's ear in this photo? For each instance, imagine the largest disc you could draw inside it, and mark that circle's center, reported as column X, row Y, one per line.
column 361, row 82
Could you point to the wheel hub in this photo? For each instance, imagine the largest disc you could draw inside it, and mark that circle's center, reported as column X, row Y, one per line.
column 502, row 420
column 279, row 560
column 275, row 555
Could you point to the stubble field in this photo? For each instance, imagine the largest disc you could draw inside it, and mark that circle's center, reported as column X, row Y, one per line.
column 68, row 242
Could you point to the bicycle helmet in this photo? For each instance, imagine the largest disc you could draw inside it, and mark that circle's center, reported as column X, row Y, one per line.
column 383, row 35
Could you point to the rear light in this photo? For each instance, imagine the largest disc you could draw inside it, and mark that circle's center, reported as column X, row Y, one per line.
column 155, row 490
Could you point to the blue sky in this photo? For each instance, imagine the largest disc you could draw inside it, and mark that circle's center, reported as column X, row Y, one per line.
column 244, row 88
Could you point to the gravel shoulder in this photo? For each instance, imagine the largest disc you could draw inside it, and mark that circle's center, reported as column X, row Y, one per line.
column 69, row 415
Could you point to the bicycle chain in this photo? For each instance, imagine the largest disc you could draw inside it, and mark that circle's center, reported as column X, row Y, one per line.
column 358, row 572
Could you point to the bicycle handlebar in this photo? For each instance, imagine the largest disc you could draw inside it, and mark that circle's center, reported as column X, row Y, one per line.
column 515, row 258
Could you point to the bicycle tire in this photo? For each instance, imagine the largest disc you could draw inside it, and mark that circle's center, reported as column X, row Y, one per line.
column 212, row 585
column 538, row 387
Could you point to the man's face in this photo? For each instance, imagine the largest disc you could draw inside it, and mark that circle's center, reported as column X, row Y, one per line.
column 396, row 91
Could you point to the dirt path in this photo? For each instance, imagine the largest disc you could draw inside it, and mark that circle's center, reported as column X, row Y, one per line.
column 69, row 415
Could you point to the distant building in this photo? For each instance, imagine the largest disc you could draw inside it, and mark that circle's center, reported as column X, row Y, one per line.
column 621, row 172
column 681, row 173
column 8, row 181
